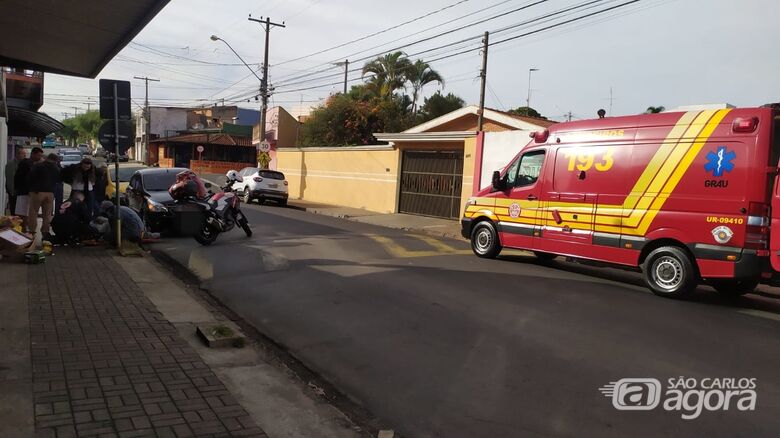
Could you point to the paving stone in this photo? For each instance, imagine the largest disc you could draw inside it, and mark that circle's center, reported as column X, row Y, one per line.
column 105, row 362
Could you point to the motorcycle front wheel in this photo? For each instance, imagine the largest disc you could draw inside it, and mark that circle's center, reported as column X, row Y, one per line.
column 244, row 224
column 206, row 236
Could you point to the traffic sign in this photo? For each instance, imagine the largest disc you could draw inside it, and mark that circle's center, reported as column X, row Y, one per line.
column 107, row 99
column 200, row 149
column 106, row 136
column 265, row 146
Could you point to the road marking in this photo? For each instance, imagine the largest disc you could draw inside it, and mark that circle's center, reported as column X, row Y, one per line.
column 761, row 314
column 398, row 251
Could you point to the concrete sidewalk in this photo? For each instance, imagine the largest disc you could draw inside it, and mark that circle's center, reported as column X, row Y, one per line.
column 422, row 224
column 98, row 345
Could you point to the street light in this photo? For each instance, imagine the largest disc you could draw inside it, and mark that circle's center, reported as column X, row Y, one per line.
column 216, row 38
column 528, row 100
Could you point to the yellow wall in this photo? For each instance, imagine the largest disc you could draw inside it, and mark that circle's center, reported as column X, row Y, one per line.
column 469, row 155
column 357, row 177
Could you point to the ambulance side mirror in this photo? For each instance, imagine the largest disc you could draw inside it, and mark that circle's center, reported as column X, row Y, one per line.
column 498, row 183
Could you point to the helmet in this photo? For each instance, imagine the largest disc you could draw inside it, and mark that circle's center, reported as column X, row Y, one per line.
column 233, row 176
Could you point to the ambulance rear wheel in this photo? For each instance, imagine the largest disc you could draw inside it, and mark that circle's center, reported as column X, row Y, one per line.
column 484, row 240
column 735, row 288
column 669, row 272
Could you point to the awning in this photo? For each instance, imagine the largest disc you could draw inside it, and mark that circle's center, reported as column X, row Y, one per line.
column 72, row 37
column 26, row 123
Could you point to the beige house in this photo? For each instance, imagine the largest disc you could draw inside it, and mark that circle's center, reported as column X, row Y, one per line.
column 426, row 170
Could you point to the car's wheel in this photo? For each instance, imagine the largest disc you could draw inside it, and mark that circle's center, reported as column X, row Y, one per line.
column 282, row 202
column 544, row 257
column 735, row 288
column 261, row 201
column 484, row 240
column 247, row 196
column 669, row 272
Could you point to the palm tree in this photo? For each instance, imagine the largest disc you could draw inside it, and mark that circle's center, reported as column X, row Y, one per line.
column 419, row 75
column 389, row 73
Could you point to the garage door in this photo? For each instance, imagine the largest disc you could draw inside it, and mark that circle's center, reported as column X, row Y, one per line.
column 431, row 183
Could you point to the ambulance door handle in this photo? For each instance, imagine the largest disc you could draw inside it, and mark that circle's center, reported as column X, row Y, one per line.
column 532, row 198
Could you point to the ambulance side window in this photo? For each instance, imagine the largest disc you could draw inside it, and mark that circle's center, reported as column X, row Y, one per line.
column 527, row 169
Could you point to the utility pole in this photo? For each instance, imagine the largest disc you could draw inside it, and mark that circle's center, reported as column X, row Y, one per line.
column 483, row 76
column 147, row 117
column 75, row 111
column 568, row 116
column 346, row 72
column 267, row 24
column 528, row 98
column 611, row 98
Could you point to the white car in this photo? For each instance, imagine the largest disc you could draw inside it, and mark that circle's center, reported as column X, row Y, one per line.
column 262, row 185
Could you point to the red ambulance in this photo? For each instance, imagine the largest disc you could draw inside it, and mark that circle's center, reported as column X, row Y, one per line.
column 687, row 197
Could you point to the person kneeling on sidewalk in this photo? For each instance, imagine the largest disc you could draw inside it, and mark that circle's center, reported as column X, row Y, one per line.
column 71, row 223
column 132, row 225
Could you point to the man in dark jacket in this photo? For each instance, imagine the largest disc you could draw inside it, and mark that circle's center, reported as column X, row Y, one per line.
column 42, row 182
column 21, row 184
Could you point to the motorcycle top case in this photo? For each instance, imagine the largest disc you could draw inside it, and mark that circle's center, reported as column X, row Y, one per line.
column 188, row 218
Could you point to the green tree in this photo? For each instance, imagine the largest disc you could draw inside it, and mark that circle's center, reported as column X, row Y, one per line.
column 439, row 104
column 419, row 75
column 389, row 73
column 344, row 120
column 655, row 109
column 527, row 112
column 81, row 128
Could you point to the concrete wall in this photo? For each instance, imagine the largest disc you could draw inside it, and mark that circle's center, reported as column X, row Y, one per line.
column 498, row 150
column 359, row 177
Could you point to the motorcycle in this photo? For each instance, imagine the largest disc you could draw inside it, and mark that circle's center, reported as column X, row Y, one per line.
column 222, row 209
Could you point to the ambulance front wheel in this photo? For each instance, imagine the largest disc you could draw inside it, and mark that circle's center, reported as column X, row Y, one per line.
column 484, row 240
column 669, row 272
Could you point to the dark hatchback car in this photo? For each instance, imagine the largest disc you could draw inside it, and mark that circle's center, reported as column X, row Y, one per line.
column 147, row 193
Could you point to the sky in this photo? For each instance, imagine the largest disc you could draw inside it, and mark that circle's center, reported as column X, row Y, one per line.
column 652, row 52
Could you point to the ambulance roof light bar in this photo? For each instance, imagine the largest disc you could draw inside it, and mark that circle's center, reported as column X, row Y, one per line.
column 540, row 136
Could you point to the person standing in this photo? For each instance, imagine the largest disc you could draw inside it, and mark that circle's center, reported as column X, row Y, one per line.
column 10, row 173
column 82, row 179
column 21, row 184
column 101, row 182
column 59, row 189
column 42, row 182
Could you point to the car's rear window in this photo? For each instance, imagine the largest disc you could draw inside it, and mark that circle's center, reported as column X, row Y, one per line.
column 270, row 174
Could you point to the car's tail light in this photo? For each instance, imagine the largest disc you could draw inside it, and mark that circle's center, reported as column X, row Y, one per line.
column 258, row 179
column 757, row 232
column 285, row 183
column 744, row 124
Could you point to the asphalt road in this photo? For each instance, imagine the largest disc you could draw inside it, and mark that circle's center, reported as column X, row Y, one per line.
column 437, row 342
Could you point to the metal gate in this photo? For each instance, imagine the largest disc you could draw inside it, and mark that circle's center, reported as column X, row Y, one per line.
column 431, row 183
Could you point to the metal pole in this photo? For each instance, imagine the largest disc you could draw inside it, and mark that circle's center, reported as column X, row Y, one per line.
column 116, row 169
column 346, row 72
column 483, row 75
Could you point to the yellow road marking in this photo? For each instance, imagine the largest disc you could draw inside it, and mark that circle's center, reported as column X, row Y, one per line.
column 398, row 251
